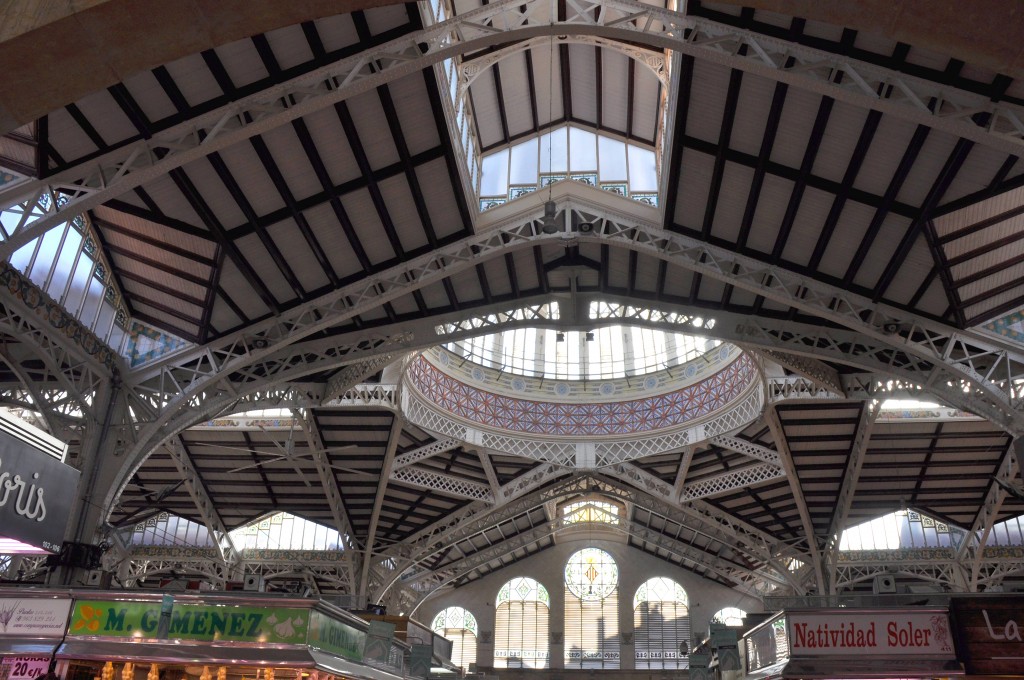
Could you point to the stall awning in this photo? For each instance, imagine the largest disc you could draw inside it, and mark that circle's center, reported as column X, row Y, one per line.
column 862, row 669
column 14, row 646
column 204, row 654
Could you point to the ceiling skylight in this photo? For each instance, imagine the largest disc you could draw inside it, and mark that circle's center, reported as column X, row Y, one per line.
column 601, row 354
column 569, row 152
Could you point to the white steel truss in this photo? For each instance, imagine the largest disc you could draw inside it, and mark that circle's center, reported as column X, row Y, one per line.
column 428, row 451
column 965, row 369
column 958, row 112
column 854, row 463
column 204, row 504
column 755, row 451
column 447, row 484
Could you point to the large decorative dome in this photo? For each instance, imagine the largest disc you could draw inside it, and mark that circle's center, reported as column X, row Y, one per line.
column 705, row 389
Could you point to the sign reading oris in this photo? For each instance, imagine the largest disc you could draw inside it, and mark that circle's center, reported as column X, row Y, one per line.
column 36, row 491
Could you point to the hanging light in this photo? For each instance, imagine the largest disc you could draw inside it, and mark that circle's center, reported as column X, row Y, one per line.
column 549, row 225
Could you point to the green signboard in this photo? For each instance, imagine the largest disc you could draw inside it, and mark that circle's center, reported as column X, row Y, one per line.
column 336, row 637
column 201, row 622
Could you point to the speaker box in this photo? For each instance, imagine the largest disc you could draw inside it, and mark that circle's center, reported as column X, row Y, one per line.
column 884, row 584
column 98, row 578
column 252, row 583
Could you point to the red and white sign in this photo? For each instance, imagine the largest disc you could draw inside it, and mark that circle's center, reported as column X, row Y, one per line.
column 841, row 632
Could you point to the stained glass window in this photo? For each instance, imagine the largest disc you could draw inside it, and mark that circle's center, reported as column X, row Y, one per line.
column 521, row 625
column 459, row 626
column 591, row 610
column 661, row 624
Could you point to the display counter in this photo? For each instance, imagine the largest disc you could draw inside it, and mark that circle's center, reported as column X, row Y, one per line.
column 852, row 644
column 32, row 624
column 136, row 636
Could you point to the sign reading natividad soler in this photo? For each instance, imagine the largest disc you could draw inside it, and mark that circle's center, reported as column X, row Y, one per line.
column 841, row 632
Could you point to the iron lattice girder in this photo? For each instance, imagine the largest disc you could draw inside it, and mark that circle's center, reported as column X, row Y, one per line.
column 446, row 484
column 964, row 114
column 328, row 481
column 204, row 504
column 756, row 451
column 844, row 500
column 929, row 352
column 422, row 453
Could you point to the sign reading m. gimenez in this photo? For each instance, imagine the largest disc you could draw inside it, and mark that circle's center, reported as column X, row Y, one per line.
column 36, row 492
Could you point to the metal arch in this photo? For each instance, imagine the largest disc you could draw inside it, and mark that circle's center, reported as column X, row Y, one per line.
column 655, row 62
column 965, row 114
column 945, row 359
column 858, row 451
column 204, row 504
column 208, row 405
column 328, row 482
column 771, row 416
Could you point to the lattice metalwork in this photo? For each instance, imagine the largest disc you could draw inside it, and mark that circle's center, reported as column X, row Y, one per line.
column 365, row 395
column 820, row 373
column 734, row 479
column 750, row 449
column 797, row 388
column 858, row 450
column 204, row 504
column 448, row 484
column 422, row 453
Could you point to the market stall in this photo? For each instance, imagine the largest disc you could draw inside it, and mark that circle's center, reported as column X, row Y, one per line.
column 32, row 625
column 852, row 644
column 134, row 636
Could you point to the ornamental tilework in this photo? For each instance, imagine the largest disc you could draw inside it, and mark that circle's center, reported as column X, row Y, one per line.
column 583, row 419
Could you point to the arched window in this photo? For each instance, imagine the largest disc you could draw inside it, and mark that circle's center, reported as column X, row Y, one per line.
column 591, row 610
column 661, row 625
column 521, row 625
column 729, row 616
column 459, row 626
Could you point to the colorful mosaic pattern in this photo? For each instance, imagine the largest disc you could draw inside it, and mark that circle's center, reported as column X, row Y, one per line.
column 583, row 419
column 58, row 318
column 1010, row 326
column 147, row 344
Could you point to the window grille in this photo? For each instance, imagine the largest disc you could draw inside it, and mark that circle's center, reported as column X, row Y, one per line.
column 591, row 610
column 459, row 626
column 521, row 625
column 661, row 624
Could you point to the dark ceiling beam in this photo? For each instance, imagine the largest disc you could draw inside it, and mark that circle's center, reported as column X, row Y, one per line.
column 532, row 91
column 860, row 152
column 450, row 157
column 281, row 184
column 724, row 137
column 888, row 200
column 162, row 323
column 771, row 129
column 921, row 223
column 599, row 72
column 159, row 265
column 807, row 164
column 238, row 195
column 813, row 181
column 675, row 160
column 143, row 299
column 166, row 290
column 946, row 76
column 499, row 93
column 195, row 200
column 1000, row 183
column 141, row 237
column 630, row 95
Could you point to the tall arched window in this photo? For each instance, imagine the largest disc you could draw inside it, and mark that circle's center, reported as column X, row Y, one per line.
column 459, row 626
column 521, row 625
column 591, row 610
column 661, row 624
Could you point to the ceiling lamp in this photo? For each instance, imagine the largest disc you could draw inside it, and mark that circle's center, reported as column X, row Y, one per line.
column 549, row 225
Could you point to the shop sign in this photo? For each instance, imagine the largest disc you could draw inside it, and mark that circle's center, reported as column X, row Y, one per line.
column 33, row 617
column 841, row 632
column 23, row 667
column 336, row 637
column 198, row 622
column 36, row 492
column 990, row 634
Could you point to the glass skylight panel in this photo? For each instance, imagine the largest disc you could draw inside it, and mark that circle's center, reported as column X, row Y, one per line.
column 583, row 150
column 612, row 155
column 523, row 165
